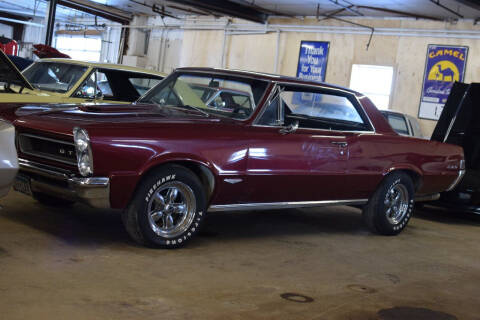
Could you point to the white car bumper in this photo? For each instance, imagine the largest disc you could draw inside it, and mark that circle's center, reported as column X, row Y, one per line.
column 8, row 157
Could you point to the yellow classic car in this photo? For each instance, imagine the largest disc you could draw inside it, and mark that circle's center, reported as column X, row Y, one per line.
column 70, row 81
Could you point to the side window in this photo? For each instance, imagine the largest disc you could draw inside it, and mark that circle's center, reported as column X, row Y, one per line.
column 321, row 106
column 167, row 96
column 398, row 123
column 142, row 85
column 104, row 85
column 313, row 110
column 242, row 100
column 271, row 115
column 217, row 103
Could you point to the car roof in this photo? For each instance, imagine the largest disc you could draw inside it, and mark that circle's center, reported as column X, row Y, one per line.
column 393, row 112
column 265, row 76
column 120, row 67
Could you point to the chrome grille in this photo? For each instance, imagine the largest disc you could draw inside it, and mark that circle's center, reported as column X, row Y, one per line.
column 47, row 148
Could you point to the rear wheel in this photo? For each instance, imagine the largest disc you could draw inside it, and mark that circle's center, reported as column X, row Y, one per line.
column 168, row 208
column 390, row 208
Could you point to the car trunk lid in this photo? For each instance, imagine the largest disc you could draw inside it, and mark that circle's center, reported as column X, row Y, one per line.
column 458, row 123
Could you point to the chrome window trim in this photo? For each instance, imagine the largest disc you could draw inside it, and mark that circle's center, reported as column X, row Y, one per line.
column 283, row 205
column 312, row 129
column 280, row 83
column 410, row 128
column 269, row 100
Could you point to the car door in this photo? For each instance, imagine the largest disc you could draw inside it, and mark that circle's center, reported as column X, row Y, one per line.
column 299, row 146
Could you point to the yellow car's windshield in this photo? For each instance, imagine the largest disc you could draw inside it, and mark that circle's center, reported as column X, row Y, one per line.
column 54, row 76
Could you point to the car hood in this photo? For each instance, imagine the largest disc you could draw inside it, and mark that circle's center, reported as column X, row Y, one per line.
column 63, row 118
column 9, row 74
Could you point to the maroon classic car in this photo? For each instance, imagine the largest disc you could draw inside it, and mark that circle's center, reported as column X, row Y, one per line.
column 168, row 159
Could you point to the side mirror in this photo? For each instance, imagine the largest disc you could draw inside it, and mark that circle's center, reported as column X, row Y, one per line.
column 290, row 128
column 99, row 95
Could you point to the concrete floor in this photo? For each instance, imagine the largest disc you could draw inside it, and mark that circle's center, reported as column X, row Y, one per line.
column 291, row 264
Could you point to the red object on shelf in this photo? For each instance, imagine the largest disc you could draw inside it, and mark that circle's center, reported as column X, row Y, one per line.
column 44, row 51
column 9, row 46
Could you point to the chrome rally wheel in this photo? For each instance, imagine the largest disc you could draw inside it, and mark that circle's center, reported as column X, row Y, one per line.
column 391, row 206
column 396, row 203
column 168, row 208
column 171, row 210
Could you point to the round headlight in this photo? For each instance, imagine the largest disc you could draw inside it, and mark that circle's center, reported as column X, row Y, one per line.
column 81, row 142
column 84, row 151
column 84, row 165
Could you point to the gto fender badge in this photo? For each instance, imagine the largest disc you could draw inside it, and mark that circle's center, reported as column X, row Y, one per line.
column 233, row 181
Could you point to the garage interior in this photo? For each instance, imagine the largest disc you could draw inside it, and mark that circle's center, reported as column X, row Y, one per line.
column 317, row 263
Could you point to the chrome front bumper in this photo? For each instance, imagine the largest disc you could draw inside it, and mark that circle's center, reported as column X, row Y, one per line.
column 94, row 191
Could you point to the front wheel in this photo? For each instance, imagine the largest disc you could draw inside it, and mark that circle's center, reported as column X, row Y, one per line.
column 390, row 207
column 168, row 208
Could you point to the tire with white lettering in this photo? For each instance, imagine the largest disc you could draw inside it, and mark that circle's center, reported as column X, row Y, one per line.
column 168, row 208
column 391, row 206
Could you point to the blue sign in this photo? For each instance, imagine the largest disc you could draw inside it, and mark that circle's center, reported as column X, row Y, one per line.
column 444, row 66
column 312, row 60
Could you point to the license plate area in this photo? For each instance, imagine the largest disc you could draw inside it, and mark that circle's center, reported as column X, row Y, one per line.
column 22, row 184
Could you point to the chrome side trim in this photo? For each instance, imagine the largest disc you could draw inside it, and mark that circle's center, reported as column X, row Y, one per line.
column 283, row 205
column 428, row 197
column 457, row 180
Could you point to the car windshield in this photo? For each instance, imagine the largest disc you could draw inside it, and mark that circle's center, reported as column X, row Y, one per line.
column 236, row 97
column 54, row 76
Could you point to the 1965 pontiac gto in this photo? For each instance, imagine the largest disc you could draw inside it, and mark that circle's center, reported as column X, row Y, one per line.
column 168, row 159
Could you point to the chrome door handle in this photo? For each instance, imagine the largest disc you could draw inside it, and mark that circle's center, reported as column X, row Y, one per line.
column 289, row 129
column 342, row 144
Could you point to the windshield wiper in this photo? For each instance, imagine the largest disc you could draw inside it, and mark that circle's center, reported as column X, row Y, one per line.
column 197, row 109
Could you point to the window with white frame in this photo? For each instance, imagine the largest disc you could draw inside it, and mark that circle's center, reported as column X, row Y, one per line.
column 80, row 47
column 373, row 81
